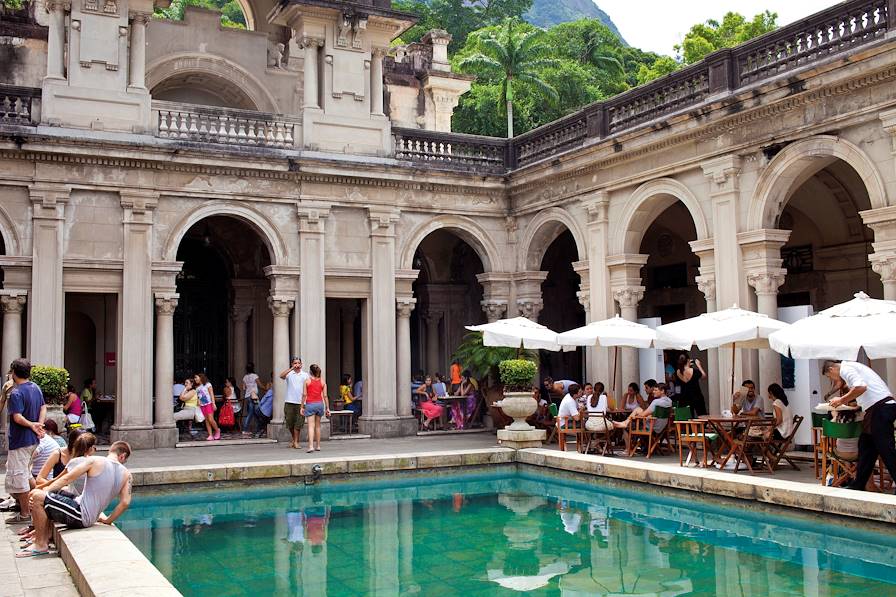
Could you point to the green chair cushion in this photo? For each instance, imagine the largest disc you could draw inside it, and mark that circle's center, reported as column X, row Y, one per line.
column 817, row 418
column 841, row 430
column 554, row 410
column 662, row 412
column 682, row 413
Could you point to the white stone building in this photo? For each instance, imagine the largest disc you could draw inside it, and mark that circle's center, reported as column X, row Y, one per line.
column 178, row 197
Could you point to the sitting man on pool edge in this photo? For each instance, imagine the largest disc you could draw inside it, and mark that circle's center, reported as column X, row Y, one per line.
column 107, row 478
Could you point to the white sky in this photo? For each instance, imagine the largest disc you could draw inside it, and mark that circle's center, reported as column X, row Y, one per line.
column 658, row 25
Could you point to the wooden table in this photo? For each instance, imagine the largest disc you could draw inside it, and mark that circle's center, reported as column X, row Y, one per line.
column 730, row 429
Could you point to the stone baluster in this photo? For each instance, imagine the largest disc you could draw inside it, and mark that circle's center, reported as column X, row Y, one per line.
column 164, row 428
column 403, row 308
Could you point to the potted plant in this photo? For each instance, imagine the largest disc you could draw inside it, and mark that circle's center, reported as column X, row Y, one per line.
column 483, row 362
column 53, row 382
column 517, row 375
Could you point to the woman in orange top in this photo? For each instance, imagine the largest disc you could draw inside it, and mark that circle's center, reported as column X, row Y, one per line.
column 455, row 377
column 315, row 405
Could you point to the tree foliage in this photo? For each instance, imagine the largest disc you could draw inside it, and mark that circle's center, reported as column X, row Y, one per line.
column 231, row 11
column 458, row 17
column 705, row 38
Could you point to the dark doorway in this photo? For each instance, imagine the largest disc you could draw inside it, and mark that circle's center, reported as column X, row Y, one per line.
column 562, row 310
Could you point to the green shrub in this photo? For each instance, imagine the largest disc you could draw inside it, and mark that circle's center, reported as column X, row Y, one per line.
column 517, row 374
column 52, row 381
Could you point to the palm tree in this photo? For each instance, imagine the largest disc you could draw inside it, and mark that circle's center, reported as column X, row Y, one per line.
column 513, row 57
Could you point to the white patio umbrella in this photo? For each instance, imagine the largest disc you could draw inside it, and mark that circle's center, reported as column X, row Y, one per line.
column 614, row 332
column 842, row 331
column 729, row 328
column 516, row 332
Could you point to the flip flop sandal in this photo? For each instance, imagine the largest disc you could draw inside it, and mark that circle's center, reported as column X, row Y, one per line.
column 26, row 530
column 30, row 553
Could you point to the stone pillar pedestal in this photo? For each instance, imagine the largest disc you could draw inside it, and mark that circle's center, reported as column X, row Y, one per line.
column 518, row 440
column 164, row 428
column 13, row 303
column 280, row 307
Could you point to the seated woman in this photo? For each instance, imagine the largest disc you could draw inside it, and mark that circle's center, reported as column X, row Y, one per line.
column 783, row 415
column 72, row 407
column 463, row 409
column 190, row 411
column 597, row 405
column 430, row 408
column 632, row 398
column 659, row 399
column 56, row 463
column 349, row 400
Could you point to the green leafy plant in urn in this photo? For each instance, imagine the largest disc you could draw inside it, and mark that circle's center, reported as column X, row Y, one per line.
column 518, row 402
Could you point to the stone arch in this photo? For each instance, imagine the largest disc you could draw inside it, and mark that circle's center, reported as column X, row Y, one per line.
column 542, row 231
column 232, row 80
column 248, row 13
column 798, row 162
column 646, row 204
column 11, row 241
column 465, row 228
column 265, row 228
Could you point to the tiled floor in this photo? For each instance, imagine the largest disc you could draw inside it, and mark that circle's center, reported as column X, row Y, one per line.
column 30, row 577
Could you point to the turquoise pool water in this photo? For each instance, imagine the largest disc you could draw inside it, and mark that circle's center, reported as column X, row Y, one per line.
column 503, row 533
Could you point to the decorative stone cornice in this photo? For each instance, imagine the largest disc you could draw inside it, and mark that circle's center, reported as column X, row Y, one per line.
column 723, row 173
column 138, row 205
column 598, row 206
column 404, row 306
column 13, row 301
column 48, row 200
column 312, row 217
column 166, row 303
column 280, row 305
column 383, row 220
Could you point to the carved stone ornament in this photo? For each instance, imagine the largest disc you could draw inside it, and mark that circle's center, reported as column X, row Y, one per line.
column 530, row 309
column 404, row 306
column 166, row 304
column 13, row 303
column 276, row 51
column 707, row 285
column 343, row 31
column 884, row 266
column 766, row 282
column 629, row 297
column 280, row 306
column 240, row 313
column 494, row 310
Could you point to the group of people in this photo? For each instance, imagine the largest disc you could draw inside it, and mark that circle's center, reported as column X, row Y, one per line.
column 430, row 395
column 52, row 479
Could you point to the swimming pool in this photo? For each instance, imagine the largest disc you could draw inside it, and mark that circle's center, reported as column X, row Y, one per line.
column 498, row 533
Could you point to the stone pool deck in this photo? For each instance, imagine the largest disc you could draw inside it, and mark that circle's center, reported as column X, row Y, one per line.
column 96, row 557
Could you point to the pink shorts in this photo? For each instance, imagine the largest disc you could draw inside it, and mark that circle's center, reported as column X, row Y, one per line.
column 208, row 410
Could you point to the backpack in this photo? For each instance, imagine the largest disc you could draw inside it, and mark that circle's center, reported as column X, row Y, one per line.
column 225, row 416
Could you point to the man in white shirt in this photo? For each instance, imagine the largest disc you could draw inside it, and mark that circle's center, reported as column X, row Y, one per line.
column 872, row 394
column 295, row 392
column 569, row 406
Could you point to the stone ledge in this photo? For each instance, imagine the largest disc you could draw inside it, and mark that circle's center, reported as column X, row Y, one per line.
column 88, row 553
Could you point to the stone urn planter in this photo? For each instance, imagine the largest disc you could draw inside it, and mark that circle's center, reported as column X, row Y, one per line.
column 520, row 406
column 54, row 412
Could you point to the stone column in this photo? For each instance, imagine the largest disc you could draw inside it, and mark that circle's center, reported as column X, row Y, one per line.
column 380, row 418
column 133, row 408
column 164, row 428
column 312, row 305
column 600, row 301
column 584, row 296
column 239, row 317
column 495, row 294
column 761, row 250
column 432, row 319
column 376, row 81
column 403, row 307
column 706, row 283
column 280, row 307
column 46, row 314
column 13, row 303
column 312, row 77
column 528, row 293
column 883, row 261
column 628, row 299
column 56, row 38
column 137, row 77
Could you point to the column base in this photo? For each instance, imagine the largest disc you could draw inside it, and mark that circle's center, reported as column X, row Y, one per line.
column 165, row 437
column 518, row 440
column 387, row 426
column 277, row 431
column 140, row 438
column 3, row 443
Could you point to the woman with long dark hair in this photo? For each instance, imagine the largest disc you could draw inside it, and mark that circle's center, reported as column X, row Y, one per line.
column 783, row 414
column 689, row 372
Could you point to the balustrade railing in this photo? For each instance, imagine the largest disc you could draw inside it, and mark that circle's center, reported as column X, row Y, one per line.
column 224, row 125
column 658, row 98
column 550, row 139
column 17, row 104
column 828, row 32
column 450, row 149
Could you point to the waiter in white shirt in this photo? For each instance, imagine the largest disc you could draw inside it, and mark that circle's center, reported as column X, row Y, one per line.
column 872, row 394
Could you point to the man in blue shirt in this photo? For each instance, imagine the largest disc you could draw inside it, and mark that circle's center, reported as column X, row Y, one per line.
column 27, row 412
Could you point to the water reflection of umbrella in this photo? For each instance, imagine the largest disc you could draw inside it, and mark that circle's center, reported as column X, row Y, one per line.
column 516, row 332
column 729, row 328
column 529, row 582
column 842, row 331
column 666, row 582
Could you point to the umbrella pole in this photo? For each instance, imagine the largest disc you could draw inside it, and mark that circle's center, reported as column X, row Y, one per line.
column 615, row 358
column 733, row 349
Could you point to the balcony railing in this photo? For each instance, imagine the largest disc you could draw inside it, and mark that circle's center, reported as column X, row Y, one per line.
column 205, row 124
column 17, row 104
column 450, row 150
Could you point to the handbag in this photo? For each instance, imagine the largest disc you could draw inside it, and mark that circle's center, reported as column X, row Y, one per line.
column 225, row 416
column 87, row 421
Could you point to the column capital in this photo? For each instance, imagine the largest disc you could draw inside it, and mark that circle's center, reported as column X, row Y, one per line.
column 767, row 281
column 48, row 199
column 312, row 216
column 280, row 305
column 597, row 205
column 584, row 299
column 723, row 173
column 240, row 313
column 140, row 18
column 58, row 5
column 311, row 42
column 530, row 308
column 494, row 309
column 138, row 205
column 884, row 264
column 383, row 220
column 706, row 283
column 628, row 296
column 404, row 305
column 166, row 303
column 13, row 301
